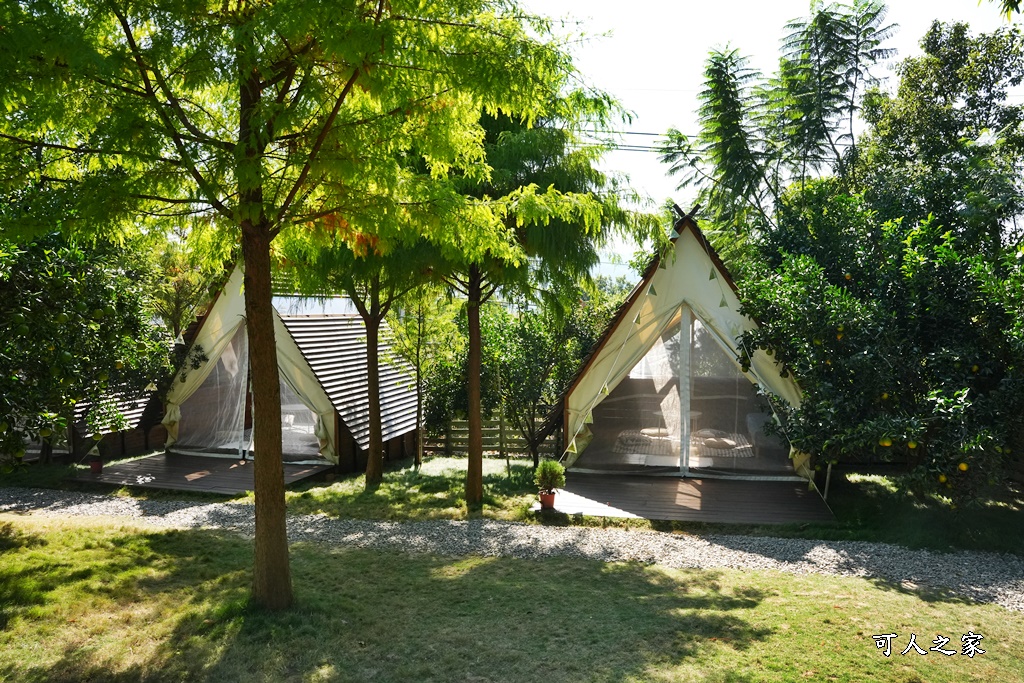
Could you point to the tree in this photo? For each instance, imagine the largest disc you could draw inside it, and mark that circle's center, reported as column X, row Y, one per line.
column 530, row 355
column 757, row 136
column 77, row 331
column 904, row 345
column 374, row 275
column 552, row 236
column 190, row 269
column 896, row 307
column 538, row 352
column 947, row 144
column 246, row 112
column 426, row 335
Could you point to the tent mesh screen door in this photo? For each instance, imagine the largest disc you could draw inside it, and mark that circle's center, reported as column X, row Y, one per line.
column 298, row 427
column 213, row 418
column 727, row 415
column 637, row 426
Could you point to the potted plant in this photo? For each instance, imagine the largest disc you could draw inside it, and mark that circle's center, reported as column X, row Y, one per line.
column 95, row 461
column 548, row 476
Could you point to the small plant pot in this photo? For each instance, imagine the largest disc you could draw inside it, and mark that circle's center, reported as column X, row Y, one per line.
column 547, row 500
column 95, row 466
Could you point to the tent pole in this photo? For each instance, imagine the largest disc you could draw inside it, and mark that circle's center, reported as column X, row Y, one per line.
column 828, row 480
column 685, row 336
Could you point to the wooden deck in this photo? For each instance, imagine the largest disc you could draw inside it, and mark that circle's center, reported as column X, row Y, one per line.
column 178, row 472
column 721, row 501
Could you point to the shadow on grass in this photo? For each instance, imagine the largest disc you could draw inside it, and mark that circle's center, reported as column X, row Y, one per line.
column 180, row 598
column 869, row 507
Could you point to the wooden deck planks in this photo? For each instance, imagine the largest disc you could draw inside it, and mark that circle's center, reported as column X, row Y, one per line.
column 722, row 501
column 178, row 472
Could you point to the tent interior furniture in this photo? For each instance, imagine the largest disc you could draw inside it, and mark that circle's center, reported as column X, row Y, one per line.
column 719, row 501
column 323, row 382
column 668, row 390
column 193, row 473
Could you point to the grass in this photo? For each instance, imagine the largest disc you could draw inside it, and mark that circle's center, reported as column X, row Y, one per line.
column 435, row 491
column 869, row 507
column 84, row 600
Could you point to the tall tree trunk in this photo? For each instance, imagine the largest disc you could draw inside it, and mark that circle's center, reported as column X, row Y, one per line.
column 375, row 459
column 475, row 466
column 419, row 382
column 271, row 576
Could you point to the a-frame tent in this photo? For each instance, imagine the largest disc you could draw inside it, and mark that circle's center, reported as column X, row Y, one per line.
column 324, row 403
column 665, row 389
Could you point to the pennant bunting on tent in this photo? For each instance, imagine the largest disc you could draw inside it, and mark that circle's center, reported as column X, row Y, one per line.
column 589, row 419
column 651, row 292
column 722, row 303
column 713, row 275
column 604, row 390
column 572, row 446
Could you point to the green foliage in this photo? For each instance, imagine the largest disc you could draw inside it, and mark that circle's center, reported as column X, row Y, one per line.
column 947, row 144
column 77, row 330
column 890, row 290
column 266, row 117
column 557, row 207
column 529, row 357
column 549, row 475
column 906, row 348
column 1008, row 7
column 190, row 271
column 758, row 135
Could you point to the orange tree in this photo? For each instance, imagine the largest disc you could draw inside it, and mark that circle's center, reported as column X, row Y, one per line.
column 906, row 348
column 77, row 328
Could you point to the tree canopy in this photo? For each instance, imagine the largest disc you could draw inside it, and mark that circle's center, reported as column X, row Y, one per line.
column 264, row 117
column 892, row 289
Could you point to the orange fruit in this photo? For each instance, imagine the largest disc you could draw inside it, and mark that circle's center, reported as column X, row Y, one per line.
column 962, row 467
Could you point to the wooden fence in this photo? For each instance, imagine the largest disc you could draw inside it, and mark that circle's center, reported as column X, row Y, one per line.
column 500, row 438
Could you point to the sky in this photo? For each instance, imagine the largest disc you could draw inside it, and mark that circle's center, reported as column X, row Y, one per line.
column 650, row 56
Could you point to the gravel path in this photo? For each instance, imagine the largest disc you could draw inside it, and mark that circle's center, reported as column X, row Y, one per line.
column 986, row 577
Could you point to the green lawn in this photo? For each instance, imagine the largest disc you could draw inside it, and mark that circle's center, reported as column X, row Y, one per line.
column 93, row 600
column 436, row 491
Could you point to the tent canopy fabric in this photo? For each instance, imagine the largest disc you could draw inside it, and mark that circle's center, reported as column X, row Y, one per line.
column 689, row 278
column 322, row 364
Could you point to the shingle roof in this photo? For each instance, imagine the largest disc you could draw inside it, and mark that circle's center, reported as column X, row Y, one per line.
column 335, row 348
column 131, row 408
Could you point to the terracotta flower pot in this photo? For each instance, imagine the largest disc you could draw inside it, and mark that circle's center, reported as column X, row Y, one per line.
column 547, row 500
column 95, row 466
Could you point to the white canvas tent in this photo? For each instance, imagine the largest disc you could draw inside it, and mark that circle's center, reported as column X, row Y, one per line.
column 664, row 389
column 324, row 403
column 205, row 408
